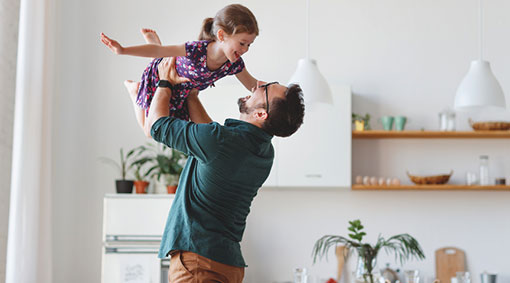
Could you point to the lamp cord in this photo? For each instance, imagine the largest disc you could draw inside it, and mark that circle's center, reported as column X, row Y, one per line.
column 307, row 32
column 480, row 35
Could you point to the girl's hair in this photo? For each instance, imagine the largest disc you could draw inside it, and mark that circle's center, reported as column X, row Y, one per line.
column 232, row 19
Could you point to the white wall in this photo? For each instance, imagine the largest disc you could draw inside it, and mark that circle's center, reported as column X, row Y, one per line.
column 400, row 56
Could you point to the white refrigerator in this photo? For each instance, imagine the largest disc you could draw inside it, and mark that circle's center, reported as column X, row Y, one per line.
column 132, row 228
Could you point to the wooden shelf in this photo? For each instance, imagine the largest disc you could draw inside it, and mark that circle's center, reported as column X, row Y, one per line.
column 379, row 134
column 430, row 188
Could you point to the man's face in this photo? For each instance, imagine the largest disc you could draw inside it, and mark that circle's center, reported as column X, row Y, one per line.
column 257, row 100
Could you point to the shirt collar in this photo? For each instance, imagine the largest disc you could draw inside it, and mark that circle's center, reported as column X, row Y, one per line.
column 248, row 127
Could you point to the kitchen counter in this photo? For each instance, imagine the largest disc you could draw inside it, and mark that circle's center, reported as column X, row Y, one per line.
column 139, row 196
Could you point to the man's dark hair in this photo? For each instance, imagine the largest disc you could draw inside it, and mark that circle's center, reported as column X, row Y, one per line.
column 285, row 115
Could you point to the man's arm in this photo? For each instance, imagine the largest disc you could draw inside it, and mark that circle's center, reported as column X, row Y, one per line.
column 196, row 110
column 159, row 108
column 160, row 101
column 200, row 140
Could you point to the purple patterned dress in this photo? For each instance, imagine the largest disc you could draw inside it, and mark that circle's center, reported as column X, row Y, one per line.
column 193, row 67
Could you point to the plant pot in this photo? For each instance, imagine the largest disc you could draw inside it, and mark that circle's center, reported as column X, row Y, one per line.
column 359, row 125
column 171, row 189
column 141, row 186
column 124, row 186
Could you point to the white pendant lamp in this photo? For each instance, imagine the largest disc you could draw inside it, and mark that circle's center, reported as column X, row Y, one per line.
column 479, row 88
column 314, row 85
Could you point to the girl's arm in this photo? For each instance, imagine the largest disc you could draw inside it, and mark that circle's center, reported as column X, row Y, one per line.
column 246, row 79
column 145, row 50
column 196, row 110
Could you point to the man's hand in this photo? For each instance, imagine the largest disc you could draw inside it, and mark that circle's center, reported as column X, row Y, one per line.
column 114, row 46
column 193, row 94
column 166, row 71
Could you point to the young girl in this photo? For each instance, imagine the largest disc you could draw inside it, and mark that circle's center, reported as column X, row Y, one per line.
column 222, row 42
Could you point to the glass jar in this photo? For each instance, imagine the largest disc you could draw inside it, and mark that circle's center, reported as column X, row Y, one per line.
column 447, row 120
column 484, row 170
column 300, row 275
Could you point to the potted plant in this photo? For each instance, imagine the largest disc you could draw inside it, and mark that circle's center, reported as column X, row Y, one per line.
column 360, row 122
column 167, row 164
column 140, row 176
column 403, row 245
column 123, row 185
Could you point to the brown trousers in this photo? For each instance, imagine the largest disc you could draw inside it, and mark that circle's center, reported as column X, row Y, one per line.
column 188, row 267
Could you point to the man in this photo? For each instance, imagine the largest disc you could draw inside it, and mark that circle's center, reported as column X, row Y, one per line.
column 226, row 167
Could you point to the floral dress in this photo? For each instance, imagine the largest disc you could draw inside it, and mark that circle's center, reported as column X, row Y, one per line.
column 194, row 67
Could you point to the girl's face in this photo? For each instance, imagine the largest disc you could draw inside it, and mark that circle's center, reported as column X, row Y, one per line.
column 236, row 45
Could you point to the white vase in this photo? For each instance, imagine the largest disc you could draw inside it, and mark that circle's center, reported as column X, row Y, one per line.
column 159, row 185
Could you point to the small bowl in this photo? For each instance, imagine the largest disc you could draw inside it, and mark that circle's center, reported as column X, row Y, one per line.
column 430, row 180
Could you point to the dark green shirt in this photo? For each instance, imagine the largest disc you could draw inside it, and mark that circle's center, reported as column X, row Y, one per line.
column 226, row 167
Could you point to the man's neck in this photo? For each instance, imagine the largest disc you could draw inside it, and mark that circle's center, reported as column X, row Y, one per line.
column 249, row 119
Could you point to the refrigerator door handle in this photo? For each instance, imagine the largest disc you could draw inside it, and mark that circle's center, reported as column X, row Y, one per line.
column 133, row 238
column 131, row 250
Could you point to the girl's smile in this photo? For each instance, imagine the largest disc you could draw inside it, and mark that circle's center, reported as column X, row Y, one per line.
column 236, row 45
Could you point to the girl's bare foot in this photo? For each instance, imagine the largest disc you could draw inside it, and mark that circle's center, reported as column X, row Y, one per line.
column 150, row 36
column 132, row 88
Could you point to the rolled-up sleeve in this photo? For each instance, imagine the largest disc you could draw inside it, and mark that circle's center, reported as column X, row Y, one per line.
column 199, row 140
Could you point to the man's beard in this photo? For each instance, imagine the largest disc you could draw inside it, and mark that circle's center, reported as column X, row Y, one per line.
column 241, row 102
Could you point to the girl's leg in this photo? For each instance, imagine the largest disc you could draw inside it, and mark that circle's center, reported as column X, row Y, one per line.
column 132, row 88
column 150, row 36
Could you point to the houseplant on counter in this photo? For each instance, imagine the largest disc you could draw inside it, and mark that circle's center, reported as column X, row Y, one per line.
column 403, row 245
column 123, row 185
column 166, row 165
column 141, row 182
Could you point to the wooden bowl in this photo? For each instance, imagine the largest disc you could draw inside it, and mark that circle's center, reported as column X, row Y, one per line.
column 430, row 180
column 490, row 125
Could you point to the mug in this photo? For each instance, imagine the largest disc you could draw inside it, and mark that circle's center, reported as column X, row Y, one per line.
column 400, row 122
column 488, row 277
column 387, row 122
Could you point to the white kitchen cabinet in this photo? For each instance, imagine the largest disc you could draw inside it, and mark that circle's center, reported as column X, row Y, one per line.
column 318, row 155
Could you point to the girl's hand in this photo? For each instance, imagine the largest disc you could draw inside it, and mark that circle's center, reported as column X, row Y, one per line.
column 114, row 46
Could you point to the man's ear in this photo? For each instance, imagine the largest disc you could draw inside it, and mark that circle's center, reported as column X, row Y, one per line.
column 260, row 114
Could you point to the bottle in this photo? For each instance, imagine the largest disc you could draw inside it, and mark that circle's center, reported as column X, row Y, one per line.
column 484, row 170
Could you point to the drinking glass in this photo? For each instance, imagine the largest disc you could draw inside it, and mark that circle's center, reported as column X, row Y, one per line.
column 412, row 276
column 471, row 178
column 463, row 277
